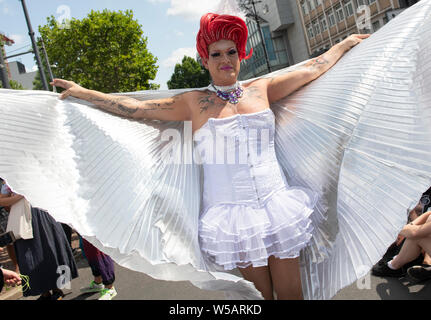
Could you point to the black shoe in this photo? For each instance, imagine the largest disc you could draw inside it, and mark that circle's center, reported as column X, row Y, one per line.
column 382, row 270
column 57, row 295
column 420, row 273
column 42, row 297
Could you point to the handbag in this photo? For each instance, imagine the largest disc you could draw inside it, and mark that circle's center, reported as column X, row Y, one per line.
column 19, row 221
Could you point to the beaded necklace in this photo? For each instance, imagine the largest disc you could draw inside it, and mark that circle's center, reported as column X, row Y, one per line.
column 228, row 93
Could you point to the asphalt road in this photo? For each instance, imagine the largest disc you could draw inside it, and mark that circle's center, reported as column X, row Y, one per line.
column 132, row 285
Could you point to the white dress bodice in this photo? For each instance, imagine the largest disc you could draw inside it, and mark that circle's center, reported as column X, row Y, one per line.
column 238, row 158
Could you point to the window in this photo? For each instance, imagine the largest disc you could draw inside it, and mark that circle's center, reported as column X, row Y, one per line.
column 304, row 8
column 310, row 31
column 361, row 3
column 376, row 25
column 322, row 21
column 348, row 6
column 331, row 18
column 339, row 12
column 311, row 4
column 316, row 27
column 371, row 1
column 316, row 3
column 268, row 43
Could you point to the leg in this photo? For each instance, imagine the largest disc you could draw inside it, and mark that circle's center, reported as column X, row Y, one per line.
column 12, row 256
column 409, row 252
column 427, row 258
column 286, row 278
column 411, row 249
column 261, row 278
column 101, row 265
column 425, row 244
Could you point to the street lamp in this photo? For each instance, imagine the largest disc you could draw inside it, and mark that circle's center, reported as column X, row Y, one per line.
column 35, row 49
column 255, row 17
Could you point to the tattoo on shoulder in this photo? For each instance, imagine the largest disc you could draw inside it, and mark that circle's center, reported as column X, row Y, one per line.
column 207, row 101
column 255, row 93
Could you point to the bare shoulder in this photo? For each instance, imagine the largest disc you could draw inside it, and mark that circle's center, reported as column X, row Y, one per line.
column 257, row 90
column 259, row 83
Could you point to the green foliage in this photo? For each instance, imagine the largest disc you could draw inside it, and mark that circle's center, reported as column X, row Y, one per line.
column 37, row 82
column 189, row 74
column 14, row 85
column 106, row 51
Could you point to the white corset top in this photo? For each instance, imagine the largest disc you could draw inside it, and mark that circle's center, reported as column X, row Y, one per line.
column 238, row 158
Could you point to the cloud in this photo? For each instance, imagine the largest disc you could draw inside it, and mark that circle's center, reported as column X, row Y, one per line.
column 191, row 9
column 178, row 33
column 19, row 39
column 178, row 55
column 4, row 8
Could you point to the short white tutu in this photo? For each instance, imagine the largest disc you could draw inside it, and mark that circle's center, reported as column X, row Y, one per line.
column 239, row 235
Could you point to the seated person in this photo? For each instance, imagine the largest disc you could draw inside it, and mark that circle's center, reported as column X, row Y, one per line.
column 423, row 260
column 417, row 236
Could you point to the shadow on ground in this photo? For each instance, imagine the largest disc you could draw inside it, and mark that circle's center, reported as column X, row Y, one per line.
column 404, row 289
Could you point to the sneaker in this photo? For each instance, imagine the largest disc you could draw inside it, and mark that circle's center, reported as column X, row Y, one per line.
column 107, row 294
column 382, row 270
column 93, row 287
column 420, row 273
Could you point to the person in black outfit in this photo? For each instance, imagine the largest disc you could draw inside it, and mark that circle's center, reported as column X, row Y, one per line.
column 419, row 268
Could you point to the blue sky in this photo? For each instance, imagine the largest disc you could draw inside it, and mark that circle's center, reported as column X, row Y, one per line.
column 169, row 25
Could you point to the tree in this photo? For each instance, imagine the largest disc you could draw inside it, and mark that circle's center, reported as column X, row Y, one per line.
column 14, row 85
column 106, row 51
column 189, row 74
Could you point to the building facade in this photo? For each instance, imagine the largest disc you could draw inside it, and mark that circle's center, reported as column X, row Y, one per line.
column 20, row 75
column 4, row 40
column 327, row 22
column 283, row 34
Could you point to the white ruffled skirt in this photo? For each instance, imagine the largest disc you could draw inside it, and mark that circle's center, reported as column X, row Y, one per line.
column 238, row 235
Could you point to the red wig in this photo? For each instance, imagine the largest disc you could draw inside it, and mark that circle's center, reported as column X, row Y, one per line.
column 216, row 27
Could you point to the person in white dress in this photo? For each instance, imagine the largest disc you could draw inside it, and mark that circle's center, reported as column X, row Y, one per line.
column 250, row 218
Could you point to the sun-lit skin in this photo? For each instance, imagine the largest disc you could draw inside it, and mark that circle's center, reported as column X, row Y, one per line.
column 223, row 62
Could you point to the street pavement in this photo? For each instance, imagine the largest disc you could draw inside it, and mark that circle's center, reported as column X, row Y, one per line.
column 132, row 285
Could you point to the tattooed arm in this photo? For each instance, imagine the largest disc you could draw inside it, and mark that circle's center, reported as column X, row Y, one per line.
column 169, row 109
column 281, row 86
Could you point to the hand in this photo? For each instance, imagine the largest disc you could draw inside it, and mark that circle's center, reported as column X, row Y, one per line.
column 11, row 278
column 353, row 40
column 72, row 89
column 408, row 231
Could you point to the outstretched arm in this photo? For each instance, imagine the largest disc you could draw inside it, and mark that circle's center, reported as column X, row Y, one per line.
column 281, row 86
column 169, row 109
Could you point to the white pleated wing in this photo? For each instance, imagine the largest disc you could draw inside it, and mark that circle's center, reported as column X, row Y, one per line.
column 359, row 135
